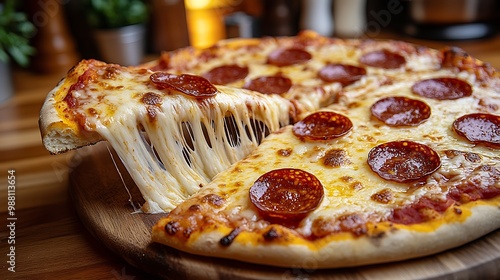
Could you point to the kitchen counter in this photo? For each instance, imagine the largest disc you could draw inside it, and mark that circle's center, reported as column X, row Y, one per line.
column 50, row 240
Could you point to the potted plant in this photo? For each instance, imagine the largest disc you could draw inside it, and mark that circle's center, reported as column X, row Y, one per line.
column 15, row 34
column 119, row 29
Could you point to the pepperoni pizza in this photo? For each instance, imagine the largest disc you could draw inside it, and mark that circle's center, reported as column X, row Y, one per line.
column 300, row 151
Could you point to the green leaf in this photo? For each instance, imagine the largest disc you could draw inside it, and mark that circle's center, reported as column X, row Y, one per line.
column 3, row 55
column 115, row 13
column 15, row 32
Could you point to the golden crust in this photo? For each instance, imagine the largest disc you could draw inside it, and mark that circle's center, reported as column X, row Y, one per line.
column 59, row 130
column 386, row 244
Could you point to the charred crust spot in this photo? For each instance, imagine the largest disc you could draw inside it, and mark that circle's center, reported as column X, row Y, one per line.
column 172, row 227
column 187, row 232
column 377, row 237
column 213, row 200
column 151, row 98
column 336, row 158
column 285, row 152
column 271, row 234
column 194, row 208
column 228, row 239
column 384, row 196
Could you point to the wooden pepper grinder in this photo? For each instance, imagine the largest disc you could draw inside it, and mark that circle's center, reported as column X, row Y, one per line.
column 55, row 49
column 280, row 17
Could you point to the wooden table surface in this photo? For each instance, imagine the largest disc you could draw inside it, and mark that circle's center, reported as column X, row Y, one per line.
column 50, row 241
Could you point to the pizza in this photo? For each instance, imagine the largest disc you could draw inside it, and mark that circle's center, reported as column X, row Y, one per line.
column 166, row 128
column 301, row 151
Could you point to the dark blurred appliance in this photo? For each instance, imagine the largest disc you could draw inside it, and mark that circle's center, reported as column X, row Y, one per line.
column 452, row 19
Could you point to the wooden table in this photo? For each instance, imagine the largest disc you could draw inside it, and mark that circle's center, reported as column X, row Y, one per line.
column 50, row 241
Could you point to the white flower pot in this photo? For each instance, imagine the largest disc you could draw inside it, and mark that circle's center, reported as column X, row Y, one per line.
column 124, row 46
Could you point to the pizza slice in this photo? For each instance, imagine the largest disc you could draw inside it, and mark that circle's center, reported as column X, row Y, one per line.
column 173, row 132
column 395, row 172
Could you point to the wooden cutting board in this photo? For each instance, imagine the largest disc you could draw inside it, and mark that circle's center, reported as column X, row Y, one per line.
column 102, row 201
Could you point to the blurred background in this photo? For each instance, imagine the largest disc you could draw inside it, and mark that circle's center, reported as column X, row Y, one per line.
column 68, row 30
column 51, row 36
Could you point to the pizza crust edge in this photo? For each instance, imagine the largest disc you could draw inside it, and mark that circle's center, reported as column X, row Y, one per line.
column 393, row 244
column 59, row 131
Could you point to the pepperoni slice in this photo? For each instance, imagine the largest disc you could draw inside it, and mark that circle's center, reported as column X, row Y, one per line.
column 322, row 126
column 479, row 128
column 442, row 88
column 401, row 111
column 225, row 74
column 341, row 73
column 269, row 84
column 403, row 161
column 191, row 85
column 286, row 57
column 286, row 195
column 383, row 59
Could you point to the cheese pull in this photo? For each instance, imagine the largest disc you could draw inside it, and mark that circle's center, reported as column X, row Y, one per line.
column 174, row 133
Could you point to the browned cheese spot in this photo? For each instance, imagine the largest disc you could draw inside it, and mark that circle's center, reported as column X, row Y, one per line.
column 285, row 152
column 336, row 158
column 151, row 98
column 213, row 200
column 384, row 196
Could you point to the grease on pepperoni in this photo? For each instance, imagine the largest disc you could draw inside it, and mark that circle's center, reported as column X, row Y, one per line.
column 226, row 74
column 341, row 73
column 277, row 84
column 479, row 128
column 191, row 85
column 287, row 57
column 403, row 161
column 400, row 111
column 383, row 59
column 323, row 125
column 442, row 88
column 286, row 195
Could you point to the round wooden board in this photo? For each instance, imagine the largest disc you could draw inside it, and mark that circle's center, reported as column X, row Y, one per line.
column 102, row 201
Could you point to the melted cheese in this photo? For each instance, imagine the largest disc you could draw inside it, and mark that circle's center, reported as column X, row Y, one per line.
column 349, row 188
column 307, row 88
column 172, row 148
